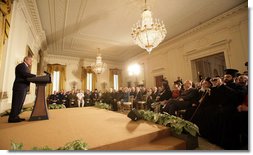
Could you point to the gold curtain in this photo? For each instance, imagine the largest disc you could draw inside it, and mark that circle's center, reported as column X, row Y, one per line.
column 5, row 20
column 62, row 69
column 84, row 78
column 111, row 79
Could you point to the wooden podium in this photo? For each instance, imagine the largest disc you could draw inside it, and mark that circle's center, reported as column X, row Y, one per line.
column 40, row 111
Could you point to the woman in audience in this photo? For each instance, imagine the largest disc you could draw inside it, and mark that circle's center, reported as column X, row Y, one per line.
column 150, row 99
column 163, row 97
column 176, row 90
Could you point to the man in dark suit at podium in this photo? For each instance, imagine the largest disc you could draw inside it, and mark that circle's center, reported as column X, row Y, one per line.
column 20, row 88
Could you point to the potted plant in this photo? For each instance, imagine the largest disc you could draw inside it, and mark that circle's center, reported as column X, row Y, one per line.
column 56, row 106
column 102, row 105
column 180, row 128
column 74, row 145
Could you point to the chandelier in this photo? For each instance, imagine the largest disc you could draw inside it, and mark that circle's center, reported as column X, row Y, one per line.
column 147, row 33
column 98, row 67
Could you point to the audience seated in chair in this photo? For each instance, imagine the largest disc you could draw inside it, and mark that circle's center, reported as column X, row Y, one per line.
column 72, row 99
column 54, row 98
column 138, row 97
column 163, row 96
column 88, row 98
column 187, row 97
column 80, row 98
column 63, row 98
column 95, row 96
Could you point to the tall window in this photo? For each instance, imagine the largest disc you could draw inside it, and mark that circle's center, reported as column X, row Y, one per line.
column 56, row 81
column 88, row 78
column 58, row 74
column 89, row 81
column 115, row 78
column 116, row 82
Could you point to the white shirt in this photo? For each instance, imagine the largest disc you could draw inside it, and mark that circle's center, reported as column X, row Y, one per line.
column 80, row 96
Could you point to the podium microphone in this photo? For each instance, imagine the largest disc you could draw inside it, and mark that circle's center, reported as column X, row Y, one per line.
column 46, row 72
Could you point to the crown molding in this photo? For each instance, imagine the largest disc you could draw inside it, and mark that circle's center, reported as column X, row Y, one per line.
column 70, row 58
column 30, row 10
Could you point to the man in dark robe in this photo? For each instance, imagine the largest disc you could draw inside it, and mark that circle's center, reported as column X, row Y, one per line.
column 222, row 116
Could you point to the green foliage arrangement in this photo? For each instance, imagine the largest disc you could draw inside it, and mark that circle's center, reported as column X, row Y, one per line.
column 7, row 112
column 16, row 146
column 102, row 105
column 74, row 145
column 56, row 106
column 27, row 109
column 45, row 148
column 177, row 124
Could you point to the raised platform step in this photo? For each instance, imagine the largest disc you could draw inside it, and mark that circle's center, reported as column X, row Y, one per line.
column 167, row 143
column 101, row 129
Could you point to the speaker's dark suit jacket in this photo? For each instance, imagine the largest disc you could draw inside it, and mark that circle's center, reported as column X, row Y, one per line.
column 20, row 86
column 22, row 72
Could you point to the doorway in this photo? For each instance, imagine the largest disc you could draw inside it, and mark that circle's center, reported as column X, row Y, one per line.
column 209, row 66
column 158, row 80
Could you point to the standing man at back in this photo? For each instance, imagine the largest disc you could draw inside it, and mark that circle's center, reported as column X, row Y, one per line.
column 20, row 88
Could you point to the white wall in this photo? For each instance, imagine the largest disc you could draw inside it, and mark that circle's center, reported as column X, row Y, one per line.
column 226, row 33
column 20, row 36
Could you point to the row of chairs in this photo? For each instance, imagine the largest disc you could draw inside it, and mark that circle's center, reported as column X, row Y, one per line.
column 127, row 106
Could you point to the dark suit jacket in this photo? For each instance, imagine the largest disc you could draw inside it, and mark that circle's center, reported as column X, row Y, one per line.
column 22, row 72
column 138, row 96
column 165, row 95
column 190, row 95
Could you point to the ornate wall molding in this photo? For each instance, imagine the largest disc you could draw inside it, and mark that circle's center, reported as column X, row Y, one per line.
column 158, row 70
column 213, row 48
column 86, row 61
column 3, row 95
column 30, row 11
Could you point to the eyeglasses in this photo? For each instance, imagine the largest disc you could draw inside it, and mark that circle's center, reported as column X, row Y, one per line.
column 228, row 76
column 214, row 79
